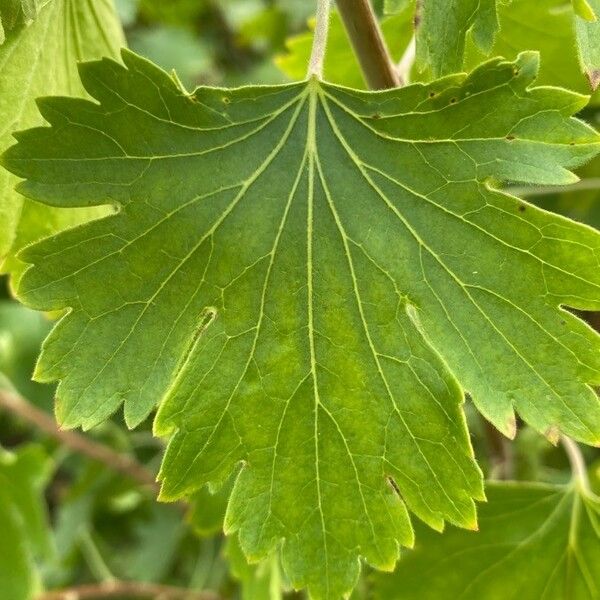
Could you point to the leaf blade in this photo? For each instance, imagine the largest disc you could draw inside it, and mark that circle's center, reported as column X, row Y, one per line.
column 365, row 208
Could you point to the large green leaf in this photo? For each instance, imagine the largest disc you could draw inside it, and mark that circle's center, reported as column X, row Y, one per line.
column 24, row 537
column 39, row 60
column 309, row 276
column 536, row 541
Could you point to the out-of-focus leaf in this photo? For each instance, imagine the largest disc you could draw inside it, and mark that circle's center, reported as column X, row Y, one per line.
column 40, row 60
column 208, row 509
column 21, row 333
column 14, row 13
column 584, row 9
column 588, row 38
column 534, row 542
column 24, row 530
column 266, row 29
column 127, row 10
column 175, row 49
column 152, row 552
column 391, row 7
column 260, row 581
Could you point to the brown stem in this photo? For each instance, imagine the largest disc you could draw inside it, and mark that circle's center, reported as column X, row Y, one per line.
column 120, row 589
column 118, row 462
column 368, row 43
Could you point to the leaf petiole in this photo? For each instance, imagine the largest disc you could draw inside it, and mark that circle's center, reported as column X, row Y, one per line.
column 317, row 56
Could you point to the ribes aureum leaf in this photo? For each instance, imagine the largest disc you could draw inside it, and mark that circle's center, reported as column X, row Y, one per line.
column 306, row 278
column 41, row 59
column 535, row 541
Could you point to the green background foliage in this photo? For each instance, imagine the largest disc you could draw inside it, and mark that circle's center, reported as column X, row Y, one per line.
column 69, row 520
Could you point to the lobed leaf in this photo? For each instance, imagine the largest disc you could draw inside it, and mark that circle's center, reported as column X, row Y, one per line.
column 306, row 278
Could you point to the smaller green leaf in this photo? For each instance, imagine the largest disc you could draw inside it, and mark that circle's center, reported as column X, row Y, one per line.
column 392, row 7
column 208, row 508
column 588, row 38
column 21, row 333
column 584, row 10
column 442, row 30
column 535, row 541
column 18, row 12
column 24, row 534
column 260, row 581
column 40, row 60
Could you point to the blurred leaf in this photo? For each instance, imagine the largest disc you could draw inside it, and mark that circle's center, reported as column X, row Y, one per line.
column 392, row 7
column 260, row 581
column 208, row 509
column 266, row 29
column 174, row 49
column 21, row 333
column 535, row 541
column 154, row 549
column 584, row 9
column 24, row 537
column 127, row 10
column 41, row 60
column 181, row 13
column 14, row 13
column 588, row 38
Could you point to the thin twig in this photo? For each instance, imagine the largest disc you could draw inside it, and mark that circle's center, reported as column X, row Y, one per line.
column 120, row 589
column 122, row 463
column 368, row 43
column 317, row 56
column 407, row 61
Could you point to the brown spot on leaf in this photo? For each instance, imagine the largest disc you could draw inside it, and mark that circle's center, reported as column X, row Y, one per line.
column 376, row 116
column 522, row 208
column 452, row 100
column 510, row 137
